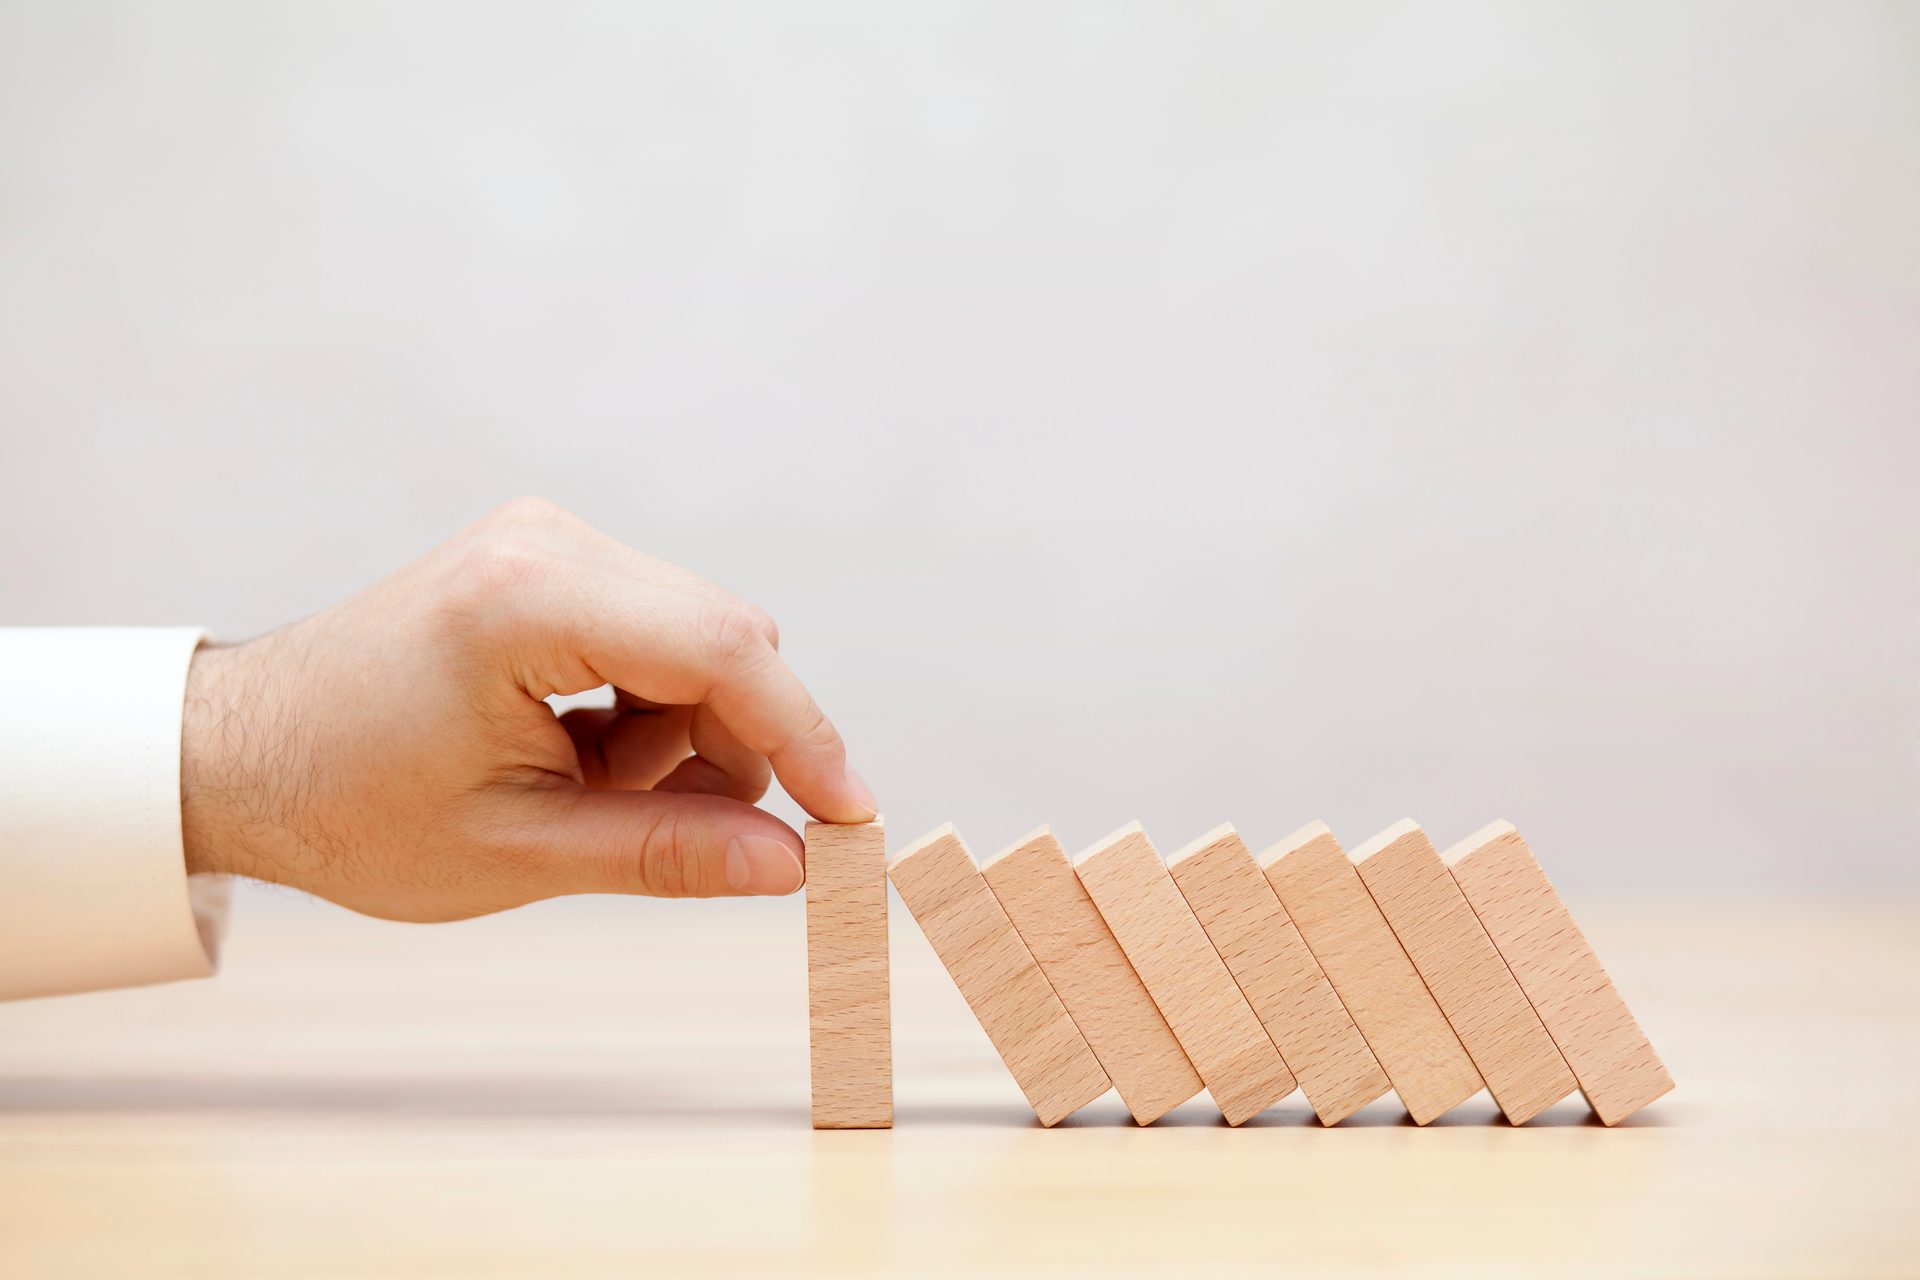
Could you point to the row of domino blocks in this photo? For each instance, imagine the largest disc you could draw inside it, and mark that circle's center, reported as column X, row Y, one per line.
column 1344, row 974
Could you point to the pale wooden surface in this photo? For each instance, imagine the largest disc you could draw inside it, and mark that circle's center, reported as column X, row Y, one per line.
column 848, row 1001
column 1464, row 973
column 1049, row 906
column 1430, row 1071
column 937, row 879
column 1278, row 975
column 614, row 1087
column 1169, row 950
column 1557, row 967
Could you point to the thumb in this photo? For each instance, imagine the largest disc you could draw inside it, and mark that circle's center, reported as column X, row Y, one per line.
column 657, row 844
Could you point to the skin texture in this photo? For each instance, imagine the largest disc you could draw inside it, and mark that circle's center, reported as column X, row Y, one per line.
column 394, row 755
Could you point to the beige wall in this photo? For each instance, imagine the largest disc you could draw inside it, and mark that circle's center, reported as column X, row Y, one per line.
column 1174, row 412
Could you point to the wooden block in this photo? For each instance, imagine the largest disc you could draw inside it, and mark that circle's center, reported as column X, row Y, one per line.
column 994, row 970
column 1485, row 1006
column 1617, row 1068
column 1388, row 1001
column 1035, row 883
column 850, row 1037
column 1186, row 977
column 1278, row 974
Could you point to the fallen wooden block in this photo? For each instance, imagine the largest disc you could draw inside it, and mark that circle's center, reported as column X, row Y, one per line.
column 849, row 1020
column 1004, row 987
column 1354, row 945
column 1472, row 984
column 1035, row 883
column 1185, row 975
column 1278, row 974
column 1617, row 1068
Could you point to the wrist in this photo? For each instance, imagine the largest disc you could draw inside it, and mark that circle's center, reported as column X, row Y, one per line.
column 220, row 787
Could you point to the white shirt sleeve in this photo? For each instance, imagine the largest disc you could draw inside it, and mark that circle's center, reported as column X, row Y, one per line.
column 94, row 890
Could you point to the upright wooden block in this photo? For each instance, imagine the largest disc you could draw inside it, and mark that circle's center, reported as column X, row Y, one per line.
column 1617, row 1068
column 1185, row 975
column 1388, row 1001
column 1485, row 1006
column 850, row 1036
column 1278, row 974
column 1035, row 883
column 996, row 973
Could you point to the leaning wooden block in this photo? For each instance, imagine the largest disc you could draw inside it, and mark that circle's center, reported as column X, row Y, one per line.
column 996, row 973
column 1617, row 1068
column 1278, row 974
column 1388, row 1001
column 850, row 1036
column 1485, row 1006
column 1185, row 975
column 1035, row 883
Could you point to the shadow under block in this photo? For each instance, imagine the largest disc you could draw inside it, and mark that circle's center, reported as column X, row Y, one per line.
column 1186, row 977
column 1617, row 1068
column 1003, row 985
column 1354, row 945
column 1278, row 974
column 1484, row 1004
column 849, row 1024
column 1036, row 885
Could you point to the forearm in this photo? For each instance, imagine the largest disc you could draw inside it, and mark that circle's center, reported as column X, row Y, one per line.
column 244, row 757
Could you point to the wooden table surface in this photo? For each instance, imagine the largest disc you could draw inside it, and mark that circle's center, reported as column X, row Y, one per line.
column 615, row 1087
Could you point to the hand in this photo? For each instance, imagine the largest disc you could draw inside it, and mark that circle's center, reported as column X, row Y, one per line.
column 394, row 755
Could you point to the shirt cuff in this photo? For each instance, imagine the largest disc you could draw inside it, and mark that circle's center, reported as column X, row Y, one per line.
column 94, row 889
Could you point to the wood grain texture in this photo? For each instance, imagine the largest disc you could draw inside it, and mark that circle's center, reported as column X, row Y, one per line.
column 1278, row 975
column 1035, row 883
column 997, row 974
column 1617, row 1068
column 1354, row 945
column 1472, row 984
column 613, row 1086
column 849, row 1018
column 1167, row 947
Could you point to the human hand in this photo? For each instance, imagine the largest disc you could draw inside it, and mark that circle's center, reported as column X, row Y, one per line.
column 394, row 755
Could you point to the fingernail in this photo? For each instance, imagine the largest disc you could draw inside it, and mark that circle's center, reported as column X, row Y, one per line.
column 761, row 864
column 862, row 793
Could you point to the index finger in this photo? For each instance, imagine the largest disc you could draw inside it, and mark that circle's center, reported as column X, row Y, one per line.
column 666, row 646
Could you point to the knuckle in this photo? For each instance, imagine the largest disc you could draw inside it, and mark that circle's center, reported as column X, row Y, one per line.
column 819, row 731
column 764, row 621
column 529, row 512
column 669, row 860
column 498, row 566
column 739, row 640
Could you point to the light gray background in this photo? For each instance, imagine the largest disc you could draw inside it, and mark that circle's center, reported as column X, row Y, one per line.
column 1250, row 412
